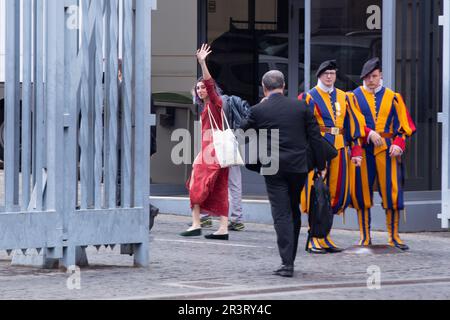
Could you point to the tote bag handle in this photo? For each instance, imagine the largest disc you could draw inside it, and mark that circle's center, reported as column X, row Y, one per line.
column 212, row 120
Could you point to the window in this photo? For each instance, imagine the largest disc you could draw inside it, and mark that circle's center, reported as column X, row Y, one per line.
column 247, row 41
column 340, row 30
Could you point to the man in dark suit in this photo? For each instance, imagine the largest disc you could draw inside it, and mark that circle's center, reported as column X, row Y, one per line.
column 296, row 127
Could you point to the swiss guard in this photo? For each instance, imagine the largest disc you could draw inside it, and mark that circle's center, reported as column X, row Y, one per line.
column 341, row 126
column 388, row 124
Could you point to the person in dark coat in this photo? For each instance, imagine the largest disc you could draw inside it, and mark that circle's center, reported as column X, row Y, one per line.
column 296, row 127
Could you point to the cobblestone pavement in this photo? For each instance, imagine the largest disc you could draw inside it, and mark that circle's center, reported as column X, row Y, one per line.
column 241, row 269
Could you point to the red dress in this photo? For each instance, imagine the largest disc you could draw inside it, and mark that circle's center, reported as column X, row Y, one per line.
column 208, row 185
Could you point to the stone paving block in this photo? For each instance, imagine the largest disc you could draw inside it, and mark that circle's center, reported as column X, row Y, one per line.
column 241, row 268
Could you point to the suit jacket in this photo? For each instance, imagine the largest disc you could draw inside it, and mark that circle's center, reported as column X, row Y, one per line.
column 297, row 127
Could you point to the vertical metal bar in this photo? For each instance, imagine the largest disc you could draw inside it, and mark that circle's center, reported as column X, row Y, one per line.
column 308, row 20
column 414, row 81
column 143, row 95
column 127, row 94
column 425, row 92
column 71, row 113
column 50, row 102
column 446, row 130
column 133, row 115
column 444, row 118
column 84, row 127
column 26, row 103
column 294, row 37
column 438, row 80
column 435, row 73
column 54, row 99
column 91, row 103
column 106, row 155
column 113, row 103
column 55, row 111
column 414, row 58
column 71, row 85
column 12, row 103
column 202, row 27
column 254, row 54
column 33, row 97
column 98, row 102
column 429, row 92
column 403, row 45
column 389, row 18
column 39, row 102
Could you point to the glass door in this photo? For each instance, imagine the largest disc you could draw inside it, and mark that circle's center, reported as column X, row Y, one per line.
column 348, row 31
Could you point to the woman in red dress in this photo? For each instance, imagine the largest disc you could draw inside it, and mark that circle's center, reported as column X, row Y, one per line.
column 208, row 185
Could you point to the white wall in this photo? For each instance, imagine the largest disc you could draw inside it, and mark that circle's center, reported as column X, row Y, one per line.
column 174, row 42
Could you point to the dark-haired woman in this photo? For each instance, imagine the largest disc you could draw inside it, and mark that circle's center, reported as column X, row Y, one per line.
column 208, row 185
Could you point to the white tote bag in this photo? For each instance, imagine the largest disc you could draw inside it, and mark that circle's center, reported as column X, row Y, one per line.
column 225, row 143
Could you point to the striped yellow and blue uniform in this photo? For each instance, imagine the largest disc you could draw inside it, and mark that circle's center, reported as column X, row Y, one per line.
column 386, row 113
column 334, row 110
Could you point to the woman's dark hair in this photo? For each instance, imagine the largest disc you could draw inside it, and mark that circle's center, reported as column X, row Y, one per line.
column 197, row 99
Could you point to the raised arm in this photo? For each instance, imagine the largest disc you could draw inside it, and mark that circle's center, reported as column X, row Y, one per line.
column 202, row 54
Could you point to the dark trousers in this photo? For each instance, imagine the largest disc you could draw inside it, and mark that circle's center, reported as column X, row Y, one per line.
column 284, row 191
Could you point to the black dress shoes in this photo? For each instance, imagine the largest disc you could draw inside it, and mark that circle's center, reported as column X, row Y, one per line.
column 403, row 247
column 192, row 233
column 217, row 236
column 317, row 250
column 334, row 250
column 285, row 271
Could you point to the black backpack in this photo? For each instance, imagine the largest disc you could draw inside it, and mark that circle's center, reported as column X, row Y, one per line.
column 320, row 212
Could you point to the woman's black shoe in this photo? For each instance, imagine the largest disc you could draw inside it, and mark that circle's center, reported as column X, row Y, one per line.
column 192, row 233
column 217, row 236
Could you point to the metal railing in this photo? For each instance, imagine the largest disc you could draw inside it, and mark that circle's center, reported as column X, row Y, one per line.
column 63, row 187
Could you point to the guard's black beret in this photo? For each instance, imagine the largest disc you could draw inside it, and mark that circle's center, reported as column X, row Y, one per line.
column 326, row 65
column 370, row 66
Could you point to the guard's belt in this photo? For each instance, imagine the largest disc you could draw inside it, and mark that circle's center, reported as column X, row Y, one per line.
column 386, row 135
column 333, row 130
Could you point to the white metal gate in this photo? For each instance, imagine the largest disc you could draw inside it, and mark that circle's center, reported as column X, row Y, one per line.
column 77, row 140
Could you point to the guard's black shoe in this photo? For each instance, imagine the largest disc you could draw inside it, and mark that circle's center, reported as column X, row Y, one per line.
column 217, row 236
column 401, row 246
column 317, row 250
column 285, row 271
column 192, row 233
column 334, row 250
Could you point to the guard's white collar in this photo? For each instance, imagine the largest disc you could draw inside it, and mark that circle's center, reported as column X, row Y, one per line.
column 325, row 88
column 376, row 90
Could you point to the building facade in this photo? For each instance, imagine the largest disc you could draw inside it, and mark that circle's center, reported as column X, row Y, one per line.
column 294, row 36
